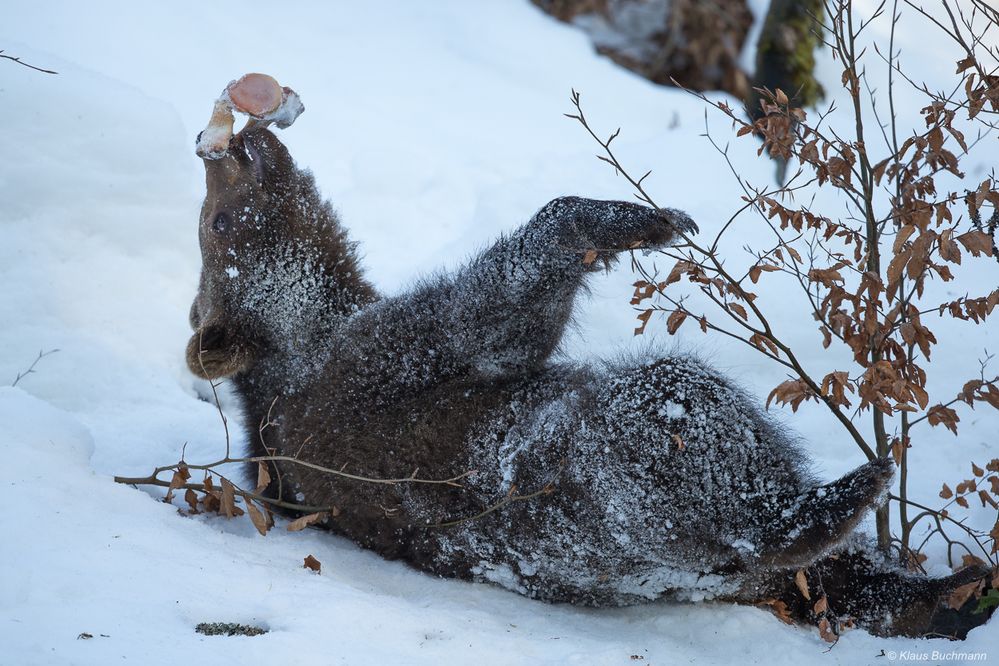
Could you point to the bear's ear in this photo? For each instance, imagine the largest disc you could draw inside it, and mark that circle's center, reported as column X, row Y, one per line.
column 216, row 351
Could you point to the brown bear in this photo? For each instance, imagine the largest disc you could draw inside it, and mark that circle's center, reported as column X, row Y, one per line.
column 600, row 484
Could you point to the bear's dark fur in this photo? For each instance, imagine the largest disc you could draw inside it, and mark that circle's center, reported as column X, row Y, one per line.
column 652, row 479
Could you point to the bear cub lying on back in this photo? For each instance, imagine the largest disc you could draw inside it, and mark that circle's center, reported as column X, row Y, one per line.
column 457, row 374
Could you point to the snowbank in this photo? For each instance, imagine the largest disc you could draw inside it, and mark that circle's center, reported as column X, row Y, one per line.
column 433, row 128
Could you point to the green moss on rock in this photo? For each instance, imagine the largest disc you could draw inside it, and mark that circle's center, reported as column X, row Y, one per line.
column 785, row 54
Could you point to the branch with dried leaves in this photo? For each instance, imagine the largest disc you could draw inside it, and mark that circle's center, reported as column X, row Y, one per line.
column 221, row 498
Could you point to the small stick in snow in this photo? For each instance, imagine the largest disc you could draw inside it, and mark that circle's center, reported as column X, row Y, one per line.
column 28, row 65
column 31, row 368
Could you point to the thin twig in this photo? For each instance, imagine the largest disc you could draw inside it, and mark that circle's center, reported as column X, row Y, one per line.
column 31, row 368
column 940, row 516
column 28, row 65
column 510, row 498
column 152, row 478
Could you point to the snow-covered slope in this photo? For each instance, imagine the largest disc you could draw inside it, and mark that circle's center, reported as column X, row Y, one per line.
column 433, row 127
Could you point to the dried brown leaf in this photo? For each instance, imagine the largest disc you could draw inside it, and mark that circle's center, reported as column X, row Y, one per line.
column 897, row 265
column 792, row 391
column 263, row 477
column 643, row 290
column 826, row 631
column 826, row 337
column 180, row 477
column 739, row 310
column 946, row 416
column 903, row 235
column 802, row 583
column 257, row 517
column 644, row 318
column 961, row 595
column 879, row 170
column 779, row 609
column 976, row 242
column 897, row 450
column 764, row 343
column 755, row 271
column 191, row 498
column 949, row 250
column 679, row 268
column 674, row 321
column 229, row 508
column 304, row 521
column 312, row 563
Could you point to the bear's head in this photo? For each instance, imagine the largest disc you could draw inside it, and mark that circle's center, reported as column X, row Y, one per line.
column 276, row 266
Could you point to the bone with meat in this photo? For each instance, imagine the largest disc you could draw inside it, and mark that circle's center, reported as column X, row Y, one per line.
column 260, row 97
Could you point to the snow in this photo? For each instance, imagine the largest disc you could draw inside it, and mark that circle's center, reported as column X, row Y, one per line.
column 432, row 128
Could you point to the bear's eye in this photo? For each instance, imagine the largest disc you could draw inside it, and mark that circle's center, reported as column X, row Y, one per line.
column 221, row 222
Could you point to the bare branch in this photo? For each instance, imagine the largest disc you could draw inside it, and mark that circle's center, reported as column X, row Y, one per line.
column 28, row 65
column 31, row 368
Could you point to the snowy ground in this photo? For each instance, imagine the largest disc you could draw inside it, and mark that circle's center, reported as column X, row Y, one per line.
column 433, row 126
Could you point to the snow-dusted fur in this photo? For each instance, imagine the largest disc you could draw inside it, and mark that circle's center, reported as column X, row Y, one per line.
column 601, row 485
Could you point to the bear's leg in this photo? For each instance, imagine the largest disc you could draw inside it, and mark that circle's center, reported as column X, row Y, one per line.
column 860, row 584
column 819, row 519
column 576, row 225
column 509, row 307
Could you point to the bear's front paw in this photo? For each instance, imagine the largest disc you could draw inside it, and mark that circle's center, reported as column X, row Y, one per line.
column 669, row 225
column 215, row 351
column 679, row 221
